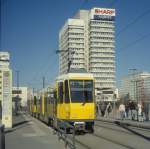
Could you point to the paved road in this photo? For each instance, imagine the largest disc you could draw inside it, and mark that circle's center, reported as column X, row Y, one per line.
column 112, row 136
column 29, row 133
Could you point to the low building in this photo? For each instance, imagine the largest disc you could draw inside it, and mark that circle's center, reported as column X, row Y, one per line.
column 143, row 90
column 136, row 87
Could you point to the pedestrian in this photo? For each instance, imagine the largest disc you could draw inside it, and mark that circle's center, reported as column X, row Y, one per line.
column 127, row 109
column 140, row 117
column 146, row 111
column 122, row 111
column 133, row 110
column 108, row 109
column 103, row 108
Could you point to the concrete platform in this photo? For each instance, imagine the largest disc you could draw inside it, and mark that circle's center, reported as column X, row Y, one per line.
column 29, row 133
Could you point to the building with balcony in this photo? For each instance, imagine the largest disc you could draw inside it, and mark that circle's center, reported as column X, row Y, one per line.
column 88, row 41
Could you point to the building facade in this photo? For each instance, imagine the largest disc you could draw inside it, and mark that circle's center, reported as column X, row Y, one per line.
column 5, row 89
column 71, row 45
column 22, row 92
column 88, row 41
column 136, row 87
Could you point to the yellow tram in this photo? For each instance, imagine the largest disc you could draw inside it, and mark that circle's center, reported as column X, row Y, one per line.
column 72, row 100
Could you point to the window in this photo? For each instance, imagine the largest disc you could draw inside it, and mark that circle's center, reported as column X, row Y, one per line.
column 60, row 92
column 81, row 90
column 67, row 100
column 46, row 101
column 34, row 100
column 16, row 92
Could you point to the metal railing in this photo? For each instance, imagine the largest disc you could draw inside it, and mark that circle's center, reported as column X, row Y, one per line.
column 67, row 137
column 2, row 137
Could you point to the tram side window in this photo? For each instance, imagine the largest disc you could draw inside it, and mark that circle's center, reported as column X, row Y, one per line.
column 66, row 92
column 60, row 92
column 34, row 100
column 46, row 101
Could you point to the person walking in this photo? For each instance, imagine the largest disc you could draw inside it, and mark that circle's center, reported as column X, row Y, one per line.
column 108, row 109
column 103, row 108
column 140, row 118
column 146, row 111
column 122, row 111
column 133, row 110
column 127, row 110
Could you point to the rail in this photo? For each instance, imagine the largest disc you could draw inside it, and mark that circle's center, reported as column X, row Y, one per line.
column 62, row 132
column 128, row 123
column 2, row 137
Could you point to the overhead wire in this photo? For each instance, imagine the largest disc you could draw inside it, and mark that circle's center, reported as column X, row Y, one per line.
column 38, row 73
column 139, row 17
column 35, row 75
column 136, row 41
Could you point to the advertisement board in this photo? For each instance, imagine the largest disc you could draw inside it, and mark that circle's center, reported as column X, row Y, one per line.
column 103, row 14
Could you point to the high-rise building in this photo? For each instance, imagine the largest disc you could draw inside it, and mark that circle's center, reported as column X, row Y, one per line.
column 71, row 45
column 87, row 41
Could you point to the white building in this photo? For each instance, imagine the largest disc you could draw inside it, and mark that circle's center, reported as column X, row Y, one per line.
column 88, row 41
column 23, row 93
column 5, row 89
column 135, row 86
column 71, row 39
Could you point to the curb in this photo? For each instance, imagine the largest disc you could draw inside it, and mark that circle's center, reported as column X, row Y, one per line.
column 120, row 122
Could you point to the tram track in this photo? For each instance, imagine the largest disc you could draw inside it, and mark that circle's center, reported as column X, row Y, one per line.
column 113, row 129
column 129, row 131
column 82, row 144
column 119, row 144
column 125, row 128
column 113, row 141
column 83, row 141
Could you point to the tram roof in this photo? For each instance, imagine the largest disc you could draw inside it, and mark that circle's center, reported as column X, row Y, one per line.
column 75, row 76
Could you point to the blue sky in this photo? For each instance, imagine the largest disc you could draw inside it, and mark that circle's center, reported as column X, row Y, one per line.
column 30, row 33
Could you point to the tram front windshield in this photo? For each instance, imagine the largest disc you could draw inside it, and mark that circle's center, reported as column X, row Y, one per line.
column 81, row 91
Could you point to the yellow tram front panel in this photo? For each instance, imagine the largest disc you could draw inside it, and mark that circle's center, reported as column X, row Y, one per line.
column 81, row 104
column 76, row 111
column 82, row 111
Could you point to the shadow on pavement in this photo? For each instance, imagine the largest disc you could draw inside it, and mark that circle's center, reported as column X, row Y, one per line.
column 19, row 122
